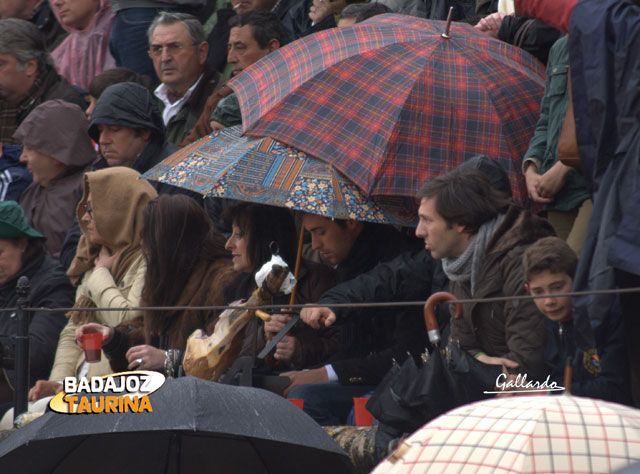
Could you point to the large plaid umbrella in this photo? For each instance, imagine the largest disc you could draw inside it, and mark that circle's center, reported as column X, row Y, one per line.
column 228, row 164
column 523, row 434
column 391, row 103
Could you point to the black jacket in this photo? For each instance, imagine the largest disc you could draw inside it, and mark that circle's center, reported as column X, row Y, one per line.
column 611, row 382
column 370, row 338
column 531, row 35
column 50, row 288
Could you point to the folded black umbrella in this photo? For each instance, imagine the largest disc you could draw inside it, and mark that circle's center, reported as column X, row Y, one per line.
column 195, row 427
column 410, row 395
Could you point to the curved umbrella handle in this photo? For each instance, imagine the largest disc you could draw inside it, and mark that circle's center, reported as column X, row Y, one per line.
column 429, row 314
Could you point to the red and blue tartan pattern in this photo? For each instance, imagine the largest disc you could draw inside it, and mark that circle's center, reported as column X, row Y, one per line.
column 391, row 103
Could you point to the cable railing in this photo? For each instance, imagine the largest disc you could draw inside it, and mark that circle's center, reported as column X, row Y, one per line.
column 22, row 312
column 387, row 304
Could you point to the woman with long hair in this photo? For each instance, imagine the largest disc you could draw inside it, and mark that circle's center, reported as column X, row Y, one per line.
column 258, row 230
column 187, row 265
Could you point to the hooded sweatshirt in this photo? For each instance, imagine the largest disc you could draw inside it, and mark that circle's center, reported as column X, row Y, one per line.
column 85, row 53
column 52, row 129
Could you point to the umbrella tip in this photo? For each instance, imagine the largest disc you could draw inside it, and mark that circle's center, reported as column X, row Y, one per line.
column 448, row 26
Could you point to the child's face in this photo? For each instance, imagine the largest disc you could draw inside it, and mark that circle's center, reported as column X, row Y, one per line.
column 546, row 283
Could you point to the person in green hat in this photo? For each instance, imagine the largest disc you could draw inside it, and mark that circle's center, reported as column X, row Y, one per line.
column 22, row 253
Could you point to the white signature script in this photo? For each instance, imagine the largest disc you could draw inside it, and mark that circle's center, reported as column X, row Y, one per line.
column 521, row 385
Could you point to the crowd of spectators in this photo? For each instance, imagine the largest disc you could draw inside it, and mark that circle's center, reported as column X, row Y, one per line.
column 95, row 92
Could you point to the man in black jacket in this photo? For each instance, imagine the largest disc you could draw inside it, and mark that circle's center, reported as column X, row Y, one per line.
column 370, row 338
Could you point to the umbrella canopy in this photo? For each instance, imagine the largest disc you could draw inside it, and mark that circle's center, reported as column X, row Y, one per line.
column 524, row 434
column 391, row 103
column 195, row 427
column 228, row 164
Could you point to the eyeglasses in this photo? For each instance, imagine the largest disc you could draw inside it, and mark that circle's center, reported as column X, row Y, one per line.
column 172, row 48
column 89, row 210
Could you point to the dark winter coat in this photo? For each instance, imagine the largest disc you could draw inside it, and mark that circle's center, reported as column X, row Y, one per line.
column 513, row 329
column 411, row 276
column 49, row 288
column 370, row 337
column 611, row 383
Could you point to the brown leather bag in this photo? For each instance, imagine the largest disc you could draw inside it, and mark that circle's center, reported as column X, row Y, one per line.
column 567, row 143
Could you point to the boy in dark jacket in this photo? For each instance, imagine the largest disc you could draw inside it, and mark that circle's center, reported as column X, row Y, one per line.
column 549, row 265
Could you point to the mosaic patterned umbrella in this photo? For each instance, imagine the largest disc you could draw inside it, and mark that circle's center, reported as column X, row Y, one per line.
column 532, row 434
column 228, row 164
column 391, row 103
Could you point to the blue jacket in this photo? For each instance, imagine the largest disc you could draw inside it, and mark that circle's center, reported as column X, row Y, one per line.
column 14, row 176
column 610, row 383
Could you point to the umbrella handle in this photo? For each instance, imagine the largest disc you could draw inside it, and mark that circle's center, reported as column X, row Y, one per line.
column 429, row 314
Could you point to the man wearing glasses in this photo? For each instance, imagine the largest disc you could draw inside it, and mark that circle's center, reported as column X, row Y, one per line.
column 179, row 50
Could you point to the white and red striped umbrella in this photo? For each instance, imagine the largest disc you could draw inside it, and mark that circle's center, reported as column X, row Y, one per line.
column 523, row 434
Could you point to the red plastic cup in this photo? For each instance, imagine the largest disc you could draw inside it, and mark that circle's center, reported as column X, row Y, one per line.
column 92, row 345
column 363, row 416
column 299, row 402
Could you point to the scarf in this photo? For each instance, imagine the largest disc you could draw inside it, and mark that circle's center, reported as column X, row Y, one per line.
column 118, row 198
column 467, row 266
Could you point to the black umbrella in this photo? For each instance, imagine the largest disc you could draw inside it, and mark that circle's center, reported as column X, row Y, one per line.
column 409, row 396
column 195, row 426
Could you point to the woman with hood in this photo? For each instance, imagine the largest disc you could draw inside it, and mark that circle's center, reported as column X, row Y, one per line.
column 108, row 269
column 85, row 52
column 57, row 152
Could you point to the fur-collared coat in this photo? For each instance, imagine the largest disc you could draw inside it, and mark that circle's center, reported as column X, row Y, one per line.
column 514, row 329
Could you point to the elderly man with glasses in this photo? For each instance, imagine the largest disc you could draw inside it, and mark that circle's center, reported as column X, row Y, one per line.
column 179, row 50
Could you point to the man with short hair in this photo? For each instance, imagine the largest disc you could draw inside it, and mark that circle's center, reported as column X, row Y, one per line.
column 372, row 337
column 480, row 238
column 39, row 13
column 27, row 76
column 178, row 49
column 253, row 35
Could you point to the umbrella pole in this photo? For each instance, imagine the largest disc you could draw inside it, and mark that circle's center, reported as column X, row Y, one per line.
column 296, row 272
column 568, row 374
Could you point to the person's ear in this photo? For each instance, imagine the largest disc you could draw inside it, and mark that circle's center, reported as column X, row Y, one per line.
column 526, row 288
column 31, row 67
column 23, row 243
column 203, row 51
column 273, row 45
column 146, row 134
